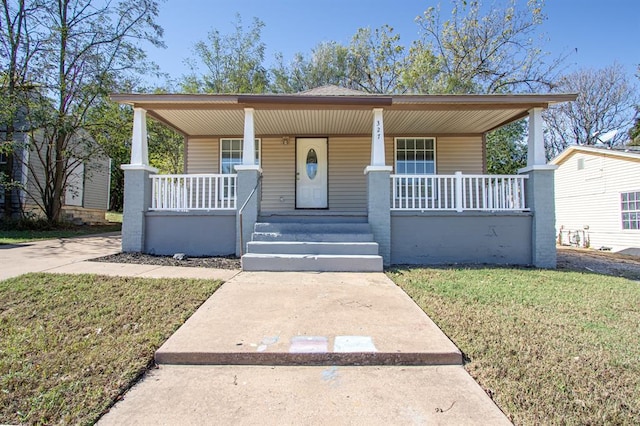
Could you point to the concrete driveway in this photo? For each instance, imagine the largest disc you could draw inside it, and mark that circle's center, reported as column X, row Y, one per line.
column 41, row 256
column 73, row 256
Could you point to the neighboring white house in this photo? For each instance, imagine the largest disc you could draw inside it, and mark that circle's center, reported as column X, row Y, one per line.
column 597, row 195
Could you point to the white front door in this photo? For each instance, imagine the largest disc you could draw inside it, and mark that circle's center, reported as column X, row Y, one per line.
column 311, row 173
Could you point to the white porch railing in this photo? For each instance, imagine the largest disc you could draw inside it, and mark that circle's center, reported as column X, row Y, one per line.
column 458, row 192
column 193, row 192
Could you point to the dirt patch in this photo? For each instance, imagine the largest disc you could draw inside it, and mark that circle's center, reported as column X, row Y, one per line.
column 585, row 260
column 219, row 262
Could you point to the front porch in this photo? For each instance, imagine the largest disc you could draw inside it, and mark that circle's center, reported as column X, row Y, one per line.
column 413, row 189
column 461, row 219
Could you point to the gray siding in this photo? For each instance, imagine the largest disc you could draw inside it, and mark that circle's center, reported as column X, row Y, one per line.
column 96, row 184
column 432, row 238
column 591, row 197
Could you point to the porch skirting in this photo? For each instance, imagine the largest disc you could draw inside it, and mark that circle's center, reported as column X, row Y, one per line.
column 195, row 233
column 431, row 238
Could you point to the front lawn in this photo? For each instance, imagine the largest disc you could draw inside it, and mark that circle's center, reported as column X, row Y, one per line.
column 550, row 347
column 72, row 344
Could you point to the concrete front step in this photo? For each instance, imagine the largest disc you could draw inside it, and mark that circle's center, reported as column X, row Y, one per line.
column 312, row 227
column 313, row 237
column 181, row 357
column 306, row 262
column 311, row 248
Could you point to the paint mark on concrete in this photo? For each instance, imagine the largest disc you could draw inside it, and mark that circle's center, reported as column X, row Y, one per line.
column 330, row 374
column 331, row 377
column 347, row 344
column 308, row 344
column 266, row 342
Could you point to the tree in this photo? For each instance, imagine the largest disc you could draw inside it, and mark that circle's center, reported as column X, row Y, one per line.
column 18, row 43
column 634, row 132
column 507, row 149
column 233, row 63
column 376, row 60
column 606, row 101
column 327, row 64
column 88, row 46
column 472, row 53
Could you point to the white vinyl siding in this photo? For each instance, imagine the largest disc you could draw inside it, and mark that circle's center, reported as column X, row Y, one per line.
column 591, row 197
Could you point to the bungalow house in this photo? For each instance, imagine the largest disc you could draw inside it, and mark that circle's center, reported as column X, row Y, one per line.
column 86, row 196
column 336, row 179
column 597, row 194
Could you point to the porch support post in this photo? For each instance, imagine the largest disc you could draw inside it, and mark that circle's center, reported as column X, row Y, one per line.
column 248, row 145
column 377, row 139
column 137, row 186
column 379, row 190
column 379, row 208
column 540, row 197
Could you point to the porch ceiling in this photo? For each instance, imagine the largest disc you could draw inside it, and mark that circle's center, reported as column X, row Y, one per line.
column 223, row 115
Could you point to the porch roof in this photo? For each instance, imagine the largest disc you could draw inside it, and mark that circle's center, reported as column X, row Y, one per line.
column 347, row 113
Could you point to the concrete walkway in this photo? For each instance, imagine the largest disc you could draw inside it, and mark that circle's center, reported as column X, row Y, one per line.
column 307, row 348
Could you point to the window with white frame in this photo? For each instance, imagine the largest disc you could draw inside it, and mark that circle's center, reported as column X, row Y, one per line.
column 415, row 156
column 231, row 154
column 630, row 203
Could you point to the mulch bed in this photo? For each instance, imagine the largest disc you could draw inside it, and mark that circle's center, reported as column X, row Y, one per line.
column 220, row 262
column 568, row 259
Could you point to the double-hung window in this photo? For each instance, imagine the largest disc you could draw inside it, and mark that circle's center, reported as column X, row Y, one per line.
column 417, row 157
column 630, row 208
column 231, row 154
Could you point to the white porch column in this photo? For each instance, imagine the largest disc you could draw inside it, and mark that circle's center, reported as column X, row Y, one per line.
column 535, row 153
column 377, row 139
column 248, row 147
column 139, row 143
column 137, row 187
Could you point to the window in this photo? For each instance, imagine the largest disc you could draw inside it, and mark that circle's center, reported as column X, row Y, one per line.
column 630, row 210
column 231, row 154
column 415, row 156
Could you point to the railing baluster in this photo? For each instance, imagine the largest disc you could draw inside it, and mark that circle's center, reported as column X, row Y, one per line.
column 458, row 192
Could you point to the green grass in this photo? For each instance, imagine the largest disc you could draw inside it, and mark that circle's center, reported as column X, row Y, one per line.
column 72, row 344
column 113, row 217
column 23, row 236
column 550, row 347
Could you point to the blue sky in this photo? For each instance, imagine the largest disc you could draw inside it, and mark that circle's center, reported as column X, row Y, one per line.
column 594, row 32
